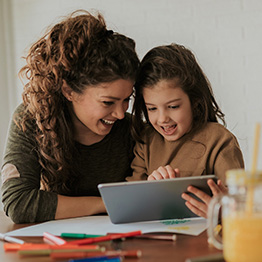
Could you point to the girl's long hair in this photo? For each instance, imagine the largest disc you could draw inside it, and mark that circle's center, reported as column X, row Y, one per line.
column 79, row 51
column 177, row 63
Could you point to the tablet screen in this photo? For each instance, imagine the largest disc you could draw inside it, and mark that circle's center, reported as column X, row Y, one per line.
column 150, row 200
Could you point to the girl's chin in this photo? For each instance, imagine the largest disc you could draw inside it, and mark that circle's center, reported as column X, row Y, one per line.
column 171, row 138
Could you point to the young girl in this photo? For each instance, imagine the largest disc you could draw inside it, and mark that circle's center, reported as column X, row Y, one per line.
column 71, row 132
column 182, row 136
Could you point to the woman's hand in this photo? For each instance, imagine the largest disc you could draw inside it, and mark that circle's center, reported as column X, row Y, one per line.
column 165, row 172
column 198, row 207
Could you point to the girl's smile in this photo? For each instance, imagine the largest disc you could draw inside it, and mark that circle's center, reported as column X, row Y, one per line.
column 169, row 130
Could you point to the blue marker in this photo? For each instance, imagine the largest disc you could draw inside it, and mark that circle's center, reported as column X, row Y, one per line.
column 97, row 259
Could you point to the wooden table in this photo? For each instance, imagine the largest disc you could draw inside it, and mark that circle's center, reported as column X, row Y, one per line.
column 152, row 250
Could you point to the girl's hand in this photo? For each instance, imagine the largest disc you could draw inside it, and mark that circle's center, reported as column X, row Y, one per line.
column 165, row 172
column 198, row 207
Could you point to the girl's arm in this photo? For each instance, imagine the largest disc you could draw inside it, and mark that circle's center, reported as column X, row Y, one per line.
column 228, row 156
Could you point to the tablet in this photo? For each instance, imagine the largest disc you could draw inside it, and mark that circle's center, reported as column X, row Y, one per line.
column 137, row 201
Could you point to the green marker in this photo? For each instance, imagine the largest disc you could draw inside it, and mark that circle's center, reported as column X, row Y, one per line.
column 80, row 235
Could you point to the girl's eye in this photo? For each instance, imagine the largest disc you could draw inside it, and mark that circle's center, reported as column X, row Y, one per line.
column 127, row 99
column 151, row 108
column 108, row 103
column 173, row 107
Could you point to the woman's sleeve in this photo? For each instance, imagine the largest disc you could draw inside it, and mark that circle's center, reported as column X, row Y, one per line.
column 22, row 198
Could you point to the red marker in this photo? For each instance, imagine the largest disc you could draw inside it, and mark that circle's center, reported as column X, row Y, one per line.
column 104, row 238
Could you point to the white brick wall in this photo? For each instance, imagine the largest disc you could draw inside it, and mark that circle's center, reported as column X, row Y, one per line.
column 225, row 35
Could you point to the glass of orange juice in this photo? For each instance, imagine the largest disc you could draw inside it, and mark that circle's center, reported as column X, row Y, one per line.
column 241, row 217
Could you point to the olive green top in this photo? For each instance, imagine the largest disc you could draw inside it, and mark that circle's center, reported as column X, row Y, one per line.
column 106, row 161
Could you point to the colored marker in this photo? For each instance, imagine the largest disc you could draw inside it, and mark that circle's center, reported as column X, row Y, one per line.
column 11, row 239
column 15, row 247
column 105, row 238
column 100, row 259
column 78, row 235
column 35, row 246
column 52, row 239
column 109, row 253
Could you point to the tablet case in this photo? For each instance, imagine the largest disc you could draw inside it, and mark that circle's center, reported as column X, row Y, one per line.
column 150, row 200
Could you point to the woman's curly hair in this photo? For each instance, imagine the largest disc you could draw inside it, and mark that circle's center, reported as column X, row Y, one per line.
column 79, row 51
column 177, row 63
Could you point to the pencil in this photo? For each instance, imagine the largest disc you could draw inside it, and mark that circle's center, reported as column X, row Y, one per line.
column 47, row 250
column 155, row 236
column 167, row 236
column 214, row 257
column 95, row 254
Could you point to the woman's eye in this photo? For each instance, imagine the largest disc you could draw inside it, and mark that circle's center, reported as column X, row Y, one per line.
column 108, row 103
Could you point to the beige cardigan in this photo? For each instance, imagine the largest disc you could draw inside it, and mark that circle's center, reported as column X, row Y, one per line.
column 212, row 150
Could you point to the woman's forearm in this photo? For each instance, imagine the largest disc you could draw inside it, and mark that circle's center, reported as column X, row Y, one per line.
column 78, row 206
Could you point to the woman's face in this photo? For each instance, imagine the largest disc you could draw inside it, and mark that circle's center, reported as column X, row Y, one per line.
column 97, row 109
column 169, row 109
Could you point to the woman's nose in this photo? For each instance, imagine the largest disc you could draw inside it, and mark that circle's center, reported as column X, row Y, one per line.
column 119, row 112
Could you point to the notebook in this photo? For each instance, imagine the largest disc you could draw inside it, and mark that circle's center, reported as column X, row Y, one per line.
column 138, row 201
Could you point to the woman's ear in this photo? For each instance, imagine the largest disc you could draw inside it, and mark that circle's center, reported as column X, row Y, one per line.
column 67, row 91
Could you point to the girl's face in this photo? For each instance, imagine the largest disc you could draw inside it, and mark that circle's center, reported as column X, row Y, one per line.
column 169, row 109
column 97, row 109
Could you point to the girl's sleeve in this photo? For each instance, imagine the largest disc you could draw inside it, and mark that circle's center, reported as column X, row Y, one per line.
column 138, row 164
column 229, row 157
column 22, row 198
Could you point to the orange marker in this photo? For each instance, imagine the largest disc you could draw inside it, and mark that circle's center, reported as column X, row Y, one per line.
column 9, row 247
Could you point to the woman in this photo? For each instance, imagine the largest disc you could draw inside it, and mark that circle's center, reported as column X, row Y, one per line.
column 71, row 132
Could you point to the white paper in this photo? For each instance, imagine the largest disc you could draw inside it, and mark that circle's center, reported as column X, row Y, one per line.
column 101, row 225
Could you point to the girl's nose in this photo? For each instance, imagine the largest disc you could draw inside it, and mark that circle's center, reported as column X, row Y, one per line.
column 163, row 117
